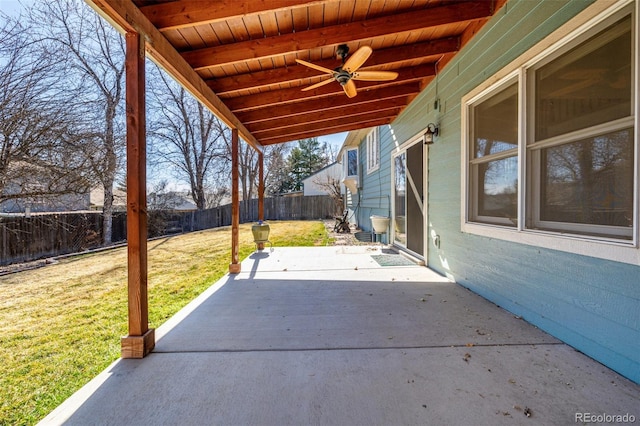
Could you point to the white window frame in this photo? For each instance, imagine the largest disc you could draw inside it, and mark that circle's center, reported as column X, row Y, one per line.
column 580, row 27
column 373, row 151
column 472, row 212
column 346, row 162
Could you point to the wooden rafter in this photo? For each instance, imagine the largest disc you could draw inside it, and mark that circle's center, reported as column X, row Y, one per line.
column 416, row 52
column 363, row 100
column 187, row 13
column 295, row 94
column 289, row 137
column 349, row 112
column 238, row 57
column 298, row 42
column 327, row 123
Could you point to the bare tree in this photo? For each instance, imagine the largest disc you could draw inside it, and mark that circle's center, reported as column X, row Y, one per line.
column 188, row 138
column 274, row 167
column 197, row 147
column 276, row 171
column 90, row 55
column 333, row 188
column 248, row 171
column 38, row 158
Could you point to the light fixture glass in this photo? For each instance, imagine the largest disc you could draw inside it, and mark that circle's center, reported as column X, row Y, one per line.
column 430, row 133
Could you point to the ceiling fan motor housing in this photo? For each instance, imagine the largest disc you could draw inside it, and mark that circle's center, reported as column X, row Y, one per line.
column 343, row 77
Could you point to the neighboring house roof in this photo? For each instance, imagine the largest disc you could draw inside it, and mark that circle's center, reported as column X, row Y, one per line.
column 172, row 201
column 183, row 202
column 322, row 170
column 352, row 140
column 37, row 189
column 96, row 197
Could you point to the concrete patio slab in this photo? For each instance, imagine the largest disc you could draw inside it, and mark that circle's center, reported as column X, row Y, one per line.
column 327, row 336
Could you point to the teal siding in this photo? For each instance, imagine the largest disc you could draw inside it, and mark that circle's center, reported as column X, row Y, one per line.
column 374, row 197
column 592, row 304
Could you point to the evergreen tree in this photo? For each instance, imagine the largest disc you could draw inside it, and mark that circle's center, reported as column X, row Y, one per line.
column 304, row 160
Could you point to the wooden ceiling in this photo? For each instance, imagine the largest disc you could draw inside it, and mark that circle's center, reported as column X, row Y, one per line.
column 239, row 57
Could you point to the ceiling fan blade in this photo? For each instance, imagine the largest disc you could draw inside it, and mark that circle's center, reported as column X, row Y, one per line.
column 356, row 60
column 375, row 75
column 314, row 66
column 315, row 86
column 350, row 88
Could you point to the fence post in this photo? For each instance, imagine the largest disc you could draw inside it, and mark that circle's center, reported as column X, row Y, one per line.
column 4, row 241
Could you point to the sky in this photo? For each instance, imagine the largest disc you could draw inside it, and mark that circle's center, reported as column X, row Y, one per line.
column 10, row 7
column 334, row 140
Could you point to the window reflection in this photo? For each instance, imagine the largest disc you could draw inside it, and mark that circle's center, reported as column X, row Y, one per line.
column 496, row 123
column 498, row 189
column 495, row 167
column 589, row 181
column 352, row 162
column 589, row 85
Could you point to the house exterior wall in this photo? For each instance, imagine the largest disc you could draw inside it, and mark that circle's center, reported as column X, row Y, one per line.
column 312, row 185
column 374, row 197
column 591, row 303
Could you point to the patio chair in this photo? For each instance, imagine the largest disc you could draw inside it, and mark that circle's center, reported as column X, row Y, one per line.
column 342, row 223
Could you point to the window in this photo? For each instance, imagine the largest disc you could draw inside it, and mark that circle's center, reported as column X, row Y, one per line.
column 352, row 162
column 550, row 148
column 494, row 157
column 373, row 151
column 581, row 149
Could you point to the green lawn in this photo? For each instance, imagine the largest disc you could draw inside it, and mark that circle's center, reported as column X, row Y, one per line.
column 61, row 325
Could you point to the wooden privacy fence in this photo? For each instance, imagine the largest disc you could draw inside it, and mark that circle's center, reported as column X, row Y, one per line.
column 45, row 235
column 277, row 208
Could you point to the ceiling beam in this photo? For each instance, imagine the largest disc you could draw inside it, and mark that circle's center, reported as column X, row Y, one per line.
column 396, row 104
column 188, row 13
column 295, row 94
column 327, row 131
column 128, row 18
column 323, row 115
column 362, row 100
column 336, row 34
column 327, row 124
column 227, row 85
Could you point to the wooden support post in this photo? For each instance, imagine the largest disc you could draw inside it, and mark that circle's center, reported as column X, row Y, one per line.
column 141, row 339
column 234, row 267
column 260, row 192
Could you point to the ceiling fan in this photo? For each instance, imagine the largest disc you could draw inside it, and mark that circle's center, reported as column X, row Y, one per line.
column 348, row 71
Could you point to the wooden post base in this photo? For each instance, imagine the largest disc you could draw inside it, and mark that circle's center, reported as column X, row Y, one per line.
column 234, row 268
column 138, row 346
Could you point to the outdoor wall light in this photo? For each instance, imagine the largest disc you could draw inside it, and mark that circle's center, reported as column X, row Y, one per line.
column 432, row 130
